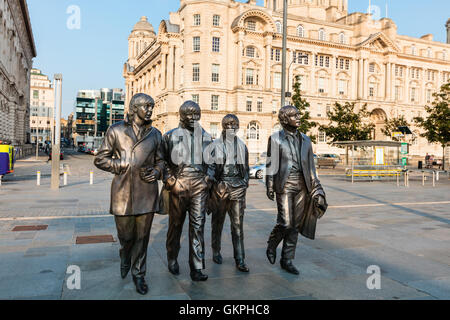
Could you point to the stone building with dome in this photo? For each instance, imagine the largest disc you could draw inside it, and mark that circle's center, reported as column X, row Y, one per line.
column 226, row 55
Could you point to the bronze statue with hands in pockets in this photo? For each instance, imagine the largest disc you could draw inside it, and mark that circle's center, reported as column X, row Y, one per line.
column 131, row 151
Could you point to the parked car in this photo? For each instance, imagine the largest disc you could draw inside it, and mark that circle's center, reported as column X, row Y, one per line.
column 258, row 171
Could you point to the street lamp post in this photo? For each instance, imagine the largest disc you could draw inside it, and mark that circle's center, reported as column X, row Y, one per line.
column 56, row 147
column 283, row 55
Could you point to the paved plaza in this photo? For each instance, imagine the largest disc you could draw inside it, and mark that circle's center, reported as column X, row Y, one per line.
column 403, row 231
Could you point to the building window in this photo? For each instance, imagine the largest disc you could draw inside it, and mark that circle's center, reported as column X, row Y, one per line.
column 250, row 52
column 214, row 102
column 322, row 137
column 215, row 73
column 397, row 93
column 35, row 94
column 301, row 57
column 322, row 61
column 196, row 98
column 259, row 105
column 251, row 25
column 253, row 131
column 322, row 35
column 274, row 106
column 398, row 71
column 429, row 53
column 372, row 67
column 277, row 80
column 275, row 54
column 413, row 50
column 214, row 130
column 341, row 86
column 197, row 20
column 216, row 20
column 250, row 77
column 321, row 85
column 428, row 96
column 279, row 27
column 371, row 90
column 196, row 44
column 216, row 44
column 300, row 31
column 413, row 94
column 196, row 72
column 249, row 105
column 444, row 54
column 342, row 38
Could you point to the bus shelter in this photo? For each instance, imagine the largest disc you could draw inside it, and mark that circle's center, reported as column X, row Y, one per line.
column 374, row 160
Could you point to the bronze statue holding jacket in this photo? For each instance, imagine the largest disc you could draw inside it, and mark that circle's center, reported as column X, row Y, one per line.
column 291, row 175
column 131, row 151
column 228, row 193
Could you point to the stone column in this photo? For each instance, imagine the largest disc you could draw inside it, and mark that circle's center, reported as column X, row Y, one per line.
column 240, row 47
column 406, row 95
column 313, row 74
column 170, row 71
column 268, row 49
column 388, row 81
column 365, row 78
column 176, row 82
column 360, row 78
column 163, row 69
column 333, row 76
column 354, row 80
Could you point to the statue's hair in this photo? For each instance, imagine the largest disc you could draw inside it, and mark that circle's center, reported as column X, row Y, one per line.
column 285, row 112
column 138, row 98
column 229, row 118
column 189, row 106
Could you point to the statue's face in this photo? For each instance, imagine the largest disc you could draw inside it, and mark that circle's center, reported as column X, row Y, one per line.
column 231, row 128
column 144, row 111
column 293, row 120
column 190, row 118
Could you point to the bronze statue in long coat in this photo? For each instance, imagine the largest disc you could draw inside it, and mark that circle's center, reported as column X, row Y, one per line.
column 131, row 151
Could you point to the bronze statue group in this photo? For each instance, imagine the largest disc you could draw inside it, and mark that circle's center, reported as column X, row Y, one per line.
column 203, row 176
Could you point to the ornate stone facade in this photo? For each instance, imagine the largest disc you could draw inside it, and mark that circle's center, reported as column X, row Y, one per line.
column 227, row 56
column 17, row 49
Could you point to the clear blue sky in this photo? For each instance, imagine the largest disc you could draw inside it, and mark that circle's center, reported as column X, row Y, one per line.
column 93, row 56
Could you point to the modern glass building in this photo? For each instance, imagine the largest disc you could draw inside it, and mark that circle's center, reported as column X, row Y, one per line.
column 93, row 111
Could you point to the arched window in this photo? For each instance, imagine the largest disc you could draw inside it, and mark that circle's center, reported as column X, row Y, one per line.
column 322, row 34
column 279, row 27
column 342, row 38
column 253, row 131
column 300, row 31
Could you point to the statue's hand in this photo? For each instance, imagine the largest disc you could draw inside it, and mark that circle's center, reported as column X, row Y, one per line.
column 271, row 195
column 149, row 175
column 170, row 183
column 123, row 166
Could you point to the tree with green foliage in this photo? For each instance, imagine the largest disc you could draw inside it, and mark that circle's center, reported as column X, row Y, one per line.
column 303, row 106
column 392, row 125
column 436, row 126
column 346, row 124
